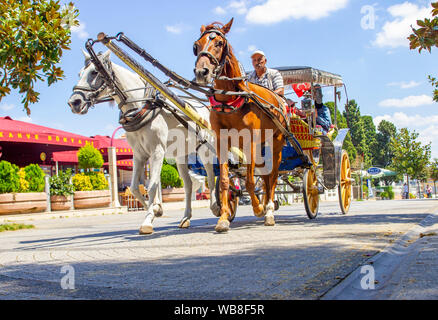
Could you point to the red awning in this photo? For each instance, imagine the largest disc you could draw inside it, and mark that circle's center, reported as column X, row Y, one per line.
column 122, row 147
column 19, row 131
column 65, row 156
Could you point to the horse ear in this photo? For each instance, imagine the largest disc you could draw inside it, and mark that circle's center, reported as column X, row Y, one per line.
column 227, row 27
column 106, row 56
column 203, row 28
column 86, row 55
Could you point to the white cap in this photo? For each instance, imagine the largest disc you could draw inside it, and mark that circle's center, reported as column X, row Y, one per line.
column 258, row 52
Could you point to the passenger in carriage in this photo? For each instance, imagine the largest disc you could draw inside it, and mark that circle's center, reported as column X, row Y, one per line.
column 323, row 117
column 263, row 76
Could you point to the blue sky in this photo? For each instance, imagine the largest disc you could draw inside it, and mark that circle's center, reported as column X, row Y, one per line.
column 386, row 79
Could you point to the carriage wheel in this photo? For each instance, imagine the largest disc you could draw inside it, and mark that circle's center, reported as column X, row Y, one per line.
column 233, row 201
column 345, row 186
column 310, row 193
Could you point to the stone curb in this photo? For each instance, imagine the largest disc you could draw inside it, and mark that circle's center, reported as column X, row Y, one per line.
column 388, row 265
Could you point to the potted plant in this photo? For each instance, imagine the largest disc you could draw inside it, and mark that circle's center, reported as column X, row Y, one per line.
column 61, row 190
column 21, row 190
column 91, row 188
column 171, row 184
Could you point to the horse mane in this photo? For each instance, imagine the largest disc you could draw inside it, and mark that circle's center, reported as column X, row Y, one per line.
column 214, row 25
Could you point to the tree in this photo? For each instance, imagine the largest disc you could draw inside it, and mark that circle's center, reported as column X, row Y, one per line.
column 434, row 173
column 342, row 123
column 381, row 149
column 370, row 138
column 357, row 132
column 410, row 156
column 425, row 37
column 89, row 157
column 33, row 36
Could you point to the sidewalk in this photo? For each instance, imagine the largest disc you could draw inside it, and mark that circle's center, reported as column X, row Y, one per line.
column 406, row 270
column 168, row 206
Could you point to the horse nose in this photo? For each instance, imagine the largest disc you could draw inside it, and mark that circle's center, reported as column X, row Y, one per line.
column 74, row 103
column 201, row 72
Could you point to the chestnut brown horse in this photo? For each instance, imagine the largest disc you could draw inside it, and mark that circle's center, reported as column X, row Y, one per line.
column 215, row 61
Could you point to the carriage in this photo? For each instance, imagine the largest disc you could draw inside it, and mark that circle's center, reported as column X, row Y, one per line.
column 312, row 161
column 330, row 166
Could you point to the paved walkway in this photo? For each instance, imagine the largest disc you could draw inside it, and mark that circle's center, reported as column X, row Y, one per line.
column 296, row 259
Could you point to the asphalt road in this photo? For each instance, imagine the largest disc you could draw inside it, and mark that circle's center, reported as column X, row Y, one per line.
column 297, row 259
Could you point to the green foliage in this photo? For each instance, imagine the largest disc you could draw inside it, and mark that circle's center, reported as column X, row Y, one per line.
column 33, row 36
column 410, row 156
column 24, row 184
column 35, row 177
column 82, row 182
column 89, row 157
column 433, row 173
column 9, row 178
column 170, row 177
column 342, row 123
column 15, row 226
column 60, row 184
column 98, row 180
column 389, row 193
column 355, row 123
column 382, row 149
column 384, row 195
column 425, row 37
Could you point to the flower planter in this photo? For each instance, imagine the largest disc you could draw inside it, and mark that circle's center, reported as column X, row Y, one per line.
column 16, row 203
column 59, row 203
column 91, row 199
column 173, row 194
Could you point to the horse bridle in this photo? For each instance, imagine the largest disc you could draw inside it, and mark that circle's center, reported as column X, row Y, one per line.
column 225, row 53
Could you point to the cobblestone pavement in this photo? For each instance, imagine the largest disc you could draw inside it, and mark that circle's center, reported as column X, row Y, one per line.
column 296, row 259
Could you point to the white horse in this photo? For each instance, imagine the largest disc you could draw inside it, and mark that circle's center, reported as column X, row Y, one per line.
column 149, row 142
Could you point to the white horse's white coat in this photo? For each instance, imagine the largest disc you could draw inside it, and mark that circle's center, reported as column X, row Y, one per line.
column 149, row 143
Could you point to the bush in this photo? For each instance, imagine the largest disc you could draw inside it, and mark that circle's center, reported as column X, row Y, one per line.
column 82, row 182
column 384, row 195
column 89, row 157
column 35, row 177
column 60, row 185
column 170, row 177
column 24, row 184
column 90, row 181
column 9, row 178
column 98, row 180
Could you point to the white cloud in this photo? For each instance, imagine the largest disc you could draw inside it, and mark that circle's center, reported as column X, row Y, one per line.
column 395, row 33
column 404, row 85
column 233, row 7
column 177, row 28
column 273, row 11
column 408, row 102
column 219, row 11
column 80, row 30
column 7, row 107
column 416, row 122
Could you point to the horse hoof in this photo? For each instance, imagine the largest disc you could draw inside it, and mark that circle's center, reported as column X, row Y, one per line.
column 146, row 230
column 259, row 212
column 269, row 221
column 216, row 210
column 222, row 226
column 158, row 210
column 184, row 224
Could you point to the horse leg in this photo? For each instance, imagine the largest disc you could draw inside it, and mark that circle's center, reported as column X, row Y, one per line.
column 250, row 185
column 183, row 171
column 223, row 225
column 270, row 190
column 155, row 162
column 208, row 165
column 137, row 175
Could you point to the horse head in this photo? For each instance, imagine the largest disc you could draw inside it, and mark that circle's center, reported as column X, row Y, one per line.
column 91, row 86
column 211, row 50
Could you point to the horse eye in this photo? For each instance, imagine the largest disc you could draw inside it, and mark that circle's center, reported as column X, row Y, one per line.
column 219, row 44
